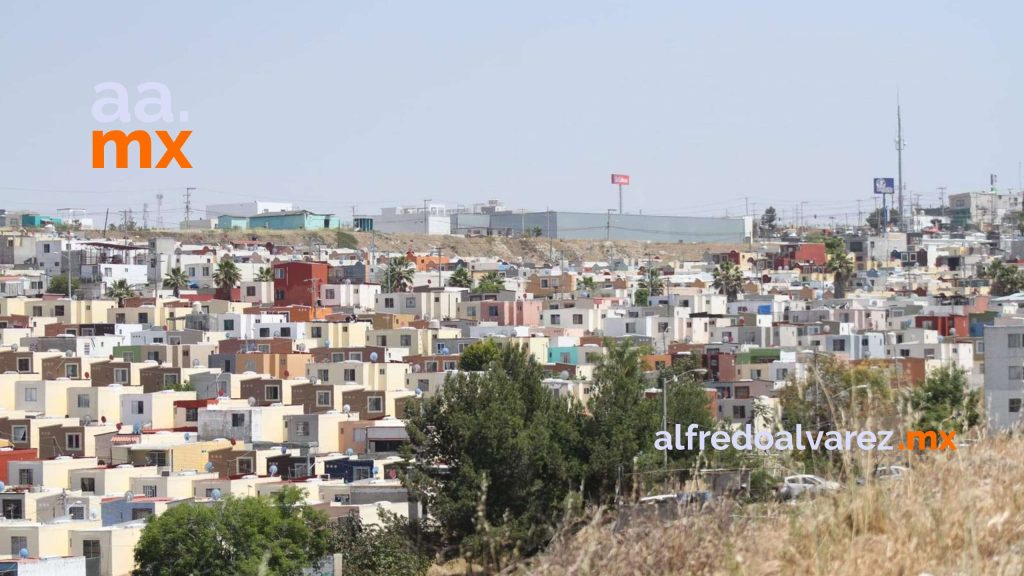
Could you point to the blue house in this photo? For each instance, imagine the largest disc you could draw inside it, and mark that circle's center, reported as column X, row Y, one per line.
column 294, row 220
column 349, row 469
column 226, row 222
column 37, row 221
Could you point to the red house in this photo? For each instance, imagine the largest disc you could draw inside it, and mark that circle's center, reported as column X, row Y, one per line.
column 298, row 283
column 793, row 255
column 943, row 324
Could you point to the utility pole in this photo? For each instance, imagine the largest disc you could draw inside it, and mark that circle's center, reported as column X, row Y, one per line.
column 426, row 216
column 145, row 215
column 608, row 226
column 159, row 211
column 899, row 160
column 860, row 214
column 188, row 207
column 106, row 219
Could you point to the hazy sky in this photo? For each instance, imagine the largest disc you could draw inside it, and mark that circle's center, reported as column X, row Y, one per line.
column 534, row 103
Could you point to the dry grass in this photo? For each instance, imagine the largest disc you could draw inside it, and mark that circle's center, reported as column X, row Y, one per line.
column 957, row 513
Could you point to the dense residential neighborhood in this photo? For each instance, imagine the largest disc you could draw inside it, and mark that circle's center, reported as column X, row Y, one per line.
column 191, row 373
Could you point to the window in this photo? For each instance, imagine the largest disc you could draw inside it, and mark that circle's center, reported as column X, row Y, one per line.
column 25, row 477
column 272, row 392
column 739, row 412
column 410, row 302
column 237, row 420
column 138, row 407
column 278, row 294
column 323, row 398
column 31, row 394
column 143, row 318
column 128, row 356
column 279, row 273
column 329, row 293
column 13, row 510
column 263, row 348
column 244, row 465
column 19, row 434
column 338, row 357
column 423, row 384
column 317, row 331
column 357, row 356
column 71, row 370
column 58, row 310
column 37, row 310
column 471, row 311
column 229, row 325
column 630, row 327
column 139, row 514
column 350, row 375
column 86, row 349
column 46, row 250
column 88, row 484
column 191, row 414
column 1014, row 340
column 323, row 374
column 742, row 392
column 83, row 400
column 149, row 491
column 302, row 429
column 170, row 380
column 405, row 340
column 492, row 311
column 432, row 366
column 375, row 404
column 449, row 365
column 119, row 318
column 286, row 331
column 24, row 364
column 1016, row 373
column 1015, row 405
column 382, row 341
column 77, row 512
column 73, row 441
column 389, row 302
column 264, row 332
column 156, row 458
column 19, row 542
column 120, row 375
column 556, row 319
column 250, row 291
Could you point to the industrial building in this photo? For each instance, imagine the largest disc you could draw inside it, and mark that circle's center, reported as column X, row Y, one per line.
column 591, row 226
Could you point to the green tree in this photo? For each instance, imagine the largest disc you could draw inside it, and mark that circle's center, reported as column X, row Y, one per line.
column 479, row 355
column 265, row 274
column 257, row 535
column 176, row 279
column 461, row 278
column 641, row 297
column 768, row 219
column 874, row 219
column 1003, row 279
column 343, row 239
column 398, row 275
column 841, row 268
column 489, row 283
column 536, row 232
column 587, row 283
column 511, row 451
column 59, row 285
column 946, row 402
column 652, row 282
column 387, row 549
column 120, row 290
column 728, row 280
column 227, row 275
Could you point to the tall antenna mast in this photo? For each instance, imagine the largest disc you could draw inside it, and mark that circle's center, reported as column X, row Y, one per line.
column 160, row 211
column 899, row 160
column 188, row 206
column 145, row 215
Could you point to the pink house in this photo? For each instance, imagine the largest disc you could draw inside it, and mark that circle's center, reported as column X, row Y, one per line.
column 503, row 312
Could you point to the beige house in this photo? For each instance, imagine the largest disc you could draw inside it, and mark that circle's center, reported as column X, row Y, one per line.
column 111, row 547
column 98, row 402
column 55, row 473
column 51, row 539
column 151, row 410
column 42, row 504
column 108, row 480
column 43, row 396
column 323, row 428
column 175, row 485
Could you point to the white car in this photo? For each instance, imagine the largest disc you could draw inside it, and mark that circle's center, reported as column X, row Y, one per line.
column 805, row 484
column 891, row 472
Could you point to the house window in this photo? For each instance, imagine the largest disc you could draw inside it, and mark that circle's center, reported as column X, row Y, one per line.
column 1016, row 373
column 405, row 340
column 229, row 325
column 556, row 319
column 12, row 509
column 302, row 429
column 71, row 370
column 263, row 348
column 739, row 412
column 19, row 434
column 375, row 404
column 389, row 302
column 24, row 365
column 286, row 331
column 357, row 356
column 139, row 514
column 577, row 319
column 323, row 374
column 19, row 542
column 170, row 380
column 143, row 318
column 157, row 458
column 120, row 375
column 329, row 293
column 432, row 366
column 149, row 491
column 264, row 332
column 250, row 291
column 278, row 294
column 338, row 357
column 83, row 400
column 88, row 484
column 382, row 341
column 317, row 331
column 471, row 311
column 237, row 420
column 58, row 310
column 272, row 393
column 1015, row 405
column 25, row 477
column 423, row 384
column 410, row 302
column 449, row 365
column 350, row 375
column 323, row 398
column 279, row 273
column 191, row 414
column 138, row 407
column 1014, row 340
column 742, row 392
column 492, row 311
column 37, row 310
column 244, row 465
column 128, row 356
column 73, row 441
column 119, row 318
column 31, row 394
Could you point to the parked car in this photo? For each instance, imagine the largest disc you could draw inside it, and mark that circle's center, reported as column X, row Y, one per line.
column 805, row 484
column 891, row 472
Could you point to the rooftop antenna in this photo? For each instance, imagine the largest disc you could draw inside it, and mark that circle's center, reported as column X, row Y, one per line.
column 900, row 144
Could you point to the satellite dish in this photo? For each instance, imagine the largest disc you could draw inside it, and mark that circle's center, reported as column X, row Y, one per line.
column 2, row 487
column 129, row 496
column 196, row 363
column 137, row 428
column 215, row 494
column 445, row 351
column 69, row 354
column 23, row 552
column 252, row 401
column 14, row 347
column 284, row 449
column 350, row 452
column 301, row 347
column 346, row 409
column 272, row 470
column 416, row 368
column 373, row 356
column 93, row 515
column 564, row 374
column 208, row 466
column 376, row 470
column 187, row 436
column 419, row 393
column 86, row 420
column 327, row 343
column 103, row 419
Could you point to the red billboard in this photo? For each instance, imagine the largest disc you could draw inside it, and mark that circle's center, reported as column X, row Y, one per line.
column 620, row 179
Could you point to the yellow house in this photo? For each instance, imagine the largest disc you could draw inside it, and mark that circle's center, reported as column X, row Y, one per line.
column 98, row 402
column 177, row 485
column 55, row 473
column 108, row 480
column 51, row 539
column 114, row 544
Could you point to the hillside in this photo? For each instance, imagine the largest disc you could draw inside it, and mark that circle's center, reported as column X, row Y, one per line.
column 511, row 249
column 957, row 513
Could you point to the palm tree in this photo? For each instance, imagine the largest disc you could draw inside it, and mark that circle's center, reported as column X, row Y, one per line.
column 728, row 280
column 227, row 275
column 265, row 275
column 176, row 279
column 120, row 290
column 398, row 275
column 652, row 282
column 841, row 268
column 490, row 283
column 461, row 278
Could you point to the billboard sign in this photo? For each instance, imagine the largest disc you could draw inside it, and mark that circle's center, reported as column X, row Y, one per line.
column 620, row 179
column 885, row 185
